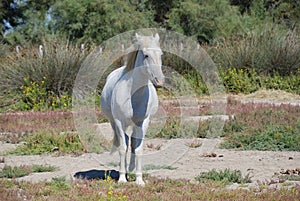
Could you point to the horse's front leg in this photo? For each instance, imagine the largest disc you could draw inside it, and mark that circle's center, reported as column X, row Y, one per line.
column 137, row 151
column 123, row 139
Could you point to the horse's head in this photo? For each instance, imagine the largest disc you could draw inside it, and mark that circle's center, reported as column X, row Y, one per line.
column 151, row 55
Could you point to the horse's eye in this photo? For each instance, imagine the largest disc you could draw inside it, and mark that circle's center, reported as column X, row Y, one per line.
column 146, row 56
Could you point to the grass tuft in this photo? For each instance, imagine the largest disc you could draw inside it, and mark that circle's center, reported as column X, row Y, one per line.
column 24, row 170
column 226, row 176
column 158, row 167
column 48, row 141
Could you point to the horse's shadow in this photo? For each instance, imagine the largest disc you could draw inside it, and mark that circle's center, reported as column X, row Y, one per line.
column 98, row 174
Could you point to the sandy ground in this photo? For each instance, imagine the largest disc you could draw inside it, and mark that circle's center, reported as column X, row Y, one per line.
column 186, row 162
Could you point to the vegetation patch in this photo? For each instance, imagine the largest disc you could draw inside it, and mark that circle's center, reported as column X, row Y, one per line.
column 262, row 127
column 158, row 167
column 225, row 177
column 155, row 189
column 48, row 141
column 15, row 126
column 24, row 170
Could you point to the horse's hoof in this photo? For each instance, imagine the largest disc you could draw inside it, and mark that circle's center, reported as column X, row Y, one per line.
column 140, row 182
column 122, row 179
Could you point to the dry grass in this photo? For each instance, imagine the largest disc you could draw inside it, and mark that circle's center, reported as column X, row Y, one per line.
column 155, row 189
column 277, row 95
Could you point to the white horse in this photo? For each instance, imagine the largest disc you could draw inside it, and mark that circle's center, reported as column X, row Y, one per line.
column 129, row 99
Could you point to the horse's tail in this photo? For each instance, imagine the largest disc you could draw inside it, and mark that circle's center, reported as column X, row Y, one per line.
column 116, row 143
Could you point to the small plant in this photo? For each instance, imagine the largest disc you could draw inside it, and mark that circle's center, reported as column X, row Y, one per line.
column 14, row 172
column 194, row 144
column 23, row 170
column 111, row 194
column 289, row 177
column 226, row 176
column 60, row 183
column 43, row 168
column 158, row 167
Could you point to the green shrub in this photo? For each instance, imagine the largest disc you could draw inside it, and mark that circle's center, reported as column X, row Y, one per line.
column 35, row 96
column 23, row 170
column 248, row 80
column 240, row 80
column 14, row 172
column 226, row 176
column 47, row 141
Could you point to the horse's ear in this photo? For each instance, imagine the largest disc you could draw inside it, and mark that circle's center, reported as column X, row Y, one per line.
column 156, row 37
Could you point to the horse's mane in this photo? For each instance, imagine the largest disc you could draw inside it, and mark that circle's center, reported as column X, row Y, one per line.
column 130, row 60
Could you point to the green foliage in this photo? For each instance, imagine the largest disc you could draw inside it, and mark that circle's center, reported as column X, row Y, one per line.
column 29, row 21
column 274, row 138
column 204, row 21
column 42, row 168
column 96, row 21
column 60, row 183
column 35, row 96
column 14, row 172
column 247, row 81
column 240, row 80
column 276, row 130
column 47, row 141
column 23, row 170
column 226, row 176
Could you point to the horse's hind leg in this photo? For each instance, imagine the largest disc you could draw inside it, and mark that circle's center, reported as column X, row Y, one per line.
column 120, row 134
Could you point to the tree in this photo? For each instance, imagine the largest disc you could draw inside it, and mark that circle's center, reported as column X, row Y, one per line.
column 28, row 21
column 97, row 20
column 10, row 13
column 162, row 8
column 204, row 20
column 244, row 5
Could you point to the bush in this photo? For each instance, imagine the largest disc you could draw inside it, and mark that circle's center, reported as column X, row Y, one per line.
column 267, row 51
column 247, row 80
column 240, row 80
column 35, row 96
column 226, row 176
column 30, row 78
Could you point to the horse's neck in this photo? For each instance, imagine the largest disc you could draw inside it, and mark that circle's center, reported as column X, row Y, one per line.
column 139, row 77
